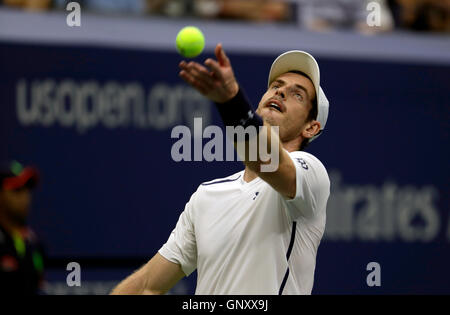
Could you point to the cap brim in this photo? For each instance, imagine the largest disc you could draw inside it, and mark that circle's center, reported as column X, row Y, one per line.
column 28, row 177
column 296, row 60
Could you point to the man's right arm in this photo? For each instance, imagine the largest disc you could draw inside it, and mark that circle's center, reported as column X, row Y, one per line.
column 157, row 276
column 160, row 274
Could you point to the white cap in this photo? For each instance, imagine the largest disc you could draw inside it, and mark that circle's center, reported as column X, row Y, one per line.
column 296, row 60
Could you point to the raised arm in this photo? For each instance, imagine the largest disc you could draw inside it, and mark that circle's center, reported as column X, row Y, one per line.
column 157, row 276
column 216, row 81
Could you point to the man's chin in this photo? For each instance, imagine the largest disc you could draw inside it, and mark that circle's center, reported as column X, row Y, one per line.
column 270, row 119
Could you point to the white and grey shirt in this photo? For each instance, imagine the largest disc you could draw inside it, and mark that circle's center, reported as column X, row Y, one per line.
column 246, row 238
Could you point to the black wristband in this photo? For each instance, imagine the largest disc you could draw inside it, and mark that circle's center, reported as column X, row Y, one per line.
column 238, row 112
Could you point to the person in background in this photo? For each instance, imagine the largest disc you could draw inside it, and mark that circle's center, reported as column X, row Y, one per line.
column 21, row 253
column 255, row 10
column 326, row 15
column 28, row 4
column 114, row 7
column 421, row 15
column 249, row 10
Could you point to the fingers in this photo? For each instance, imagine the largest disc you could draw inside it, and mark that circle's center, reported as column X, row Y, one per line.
column 193, row 82
column 201, row 77
column 221, row 56
column 197, row 76
column 215, row 67
column 202, row 73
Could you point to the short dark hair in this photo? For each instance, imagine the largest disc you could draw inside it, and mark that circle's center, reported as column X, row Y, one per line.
column 312, row 112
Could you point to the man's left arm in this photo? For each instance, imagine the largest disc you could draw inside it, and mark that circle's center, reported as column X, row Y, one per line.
column 262, row 153
column 281, row 174
column 216, row 81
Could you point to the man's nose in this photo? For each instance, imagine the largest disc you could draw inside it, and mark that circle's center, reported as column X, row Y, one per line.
column 281, row 93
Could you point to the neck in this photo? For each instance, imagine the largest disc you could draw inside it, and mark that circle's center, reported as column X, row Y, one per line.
column 293, row 144
column 249, row 175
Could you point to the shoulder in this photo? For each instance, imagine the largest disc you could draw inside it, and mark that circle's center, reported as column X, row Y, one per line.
column 311, row 167
column 306, row 160
column 313, row 186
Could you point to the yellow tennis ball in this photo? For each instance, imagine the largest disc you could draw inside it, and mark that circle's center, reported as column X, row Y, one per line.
column 190, row 41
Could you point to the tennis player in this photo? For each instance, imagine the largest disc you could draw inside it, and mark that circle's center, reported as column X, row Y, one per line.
column 253, row 232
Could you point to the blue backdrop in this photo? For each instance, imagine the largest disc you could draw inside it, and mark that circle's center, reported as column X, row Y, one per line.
column 97, row 122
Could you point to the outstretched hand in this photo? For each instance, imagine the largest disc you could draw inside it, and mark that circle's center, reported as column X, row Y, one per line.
column 215, row 79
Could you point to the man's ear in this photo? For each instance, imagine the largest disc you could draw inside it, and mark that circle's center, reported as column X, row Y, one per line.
column 311, row 129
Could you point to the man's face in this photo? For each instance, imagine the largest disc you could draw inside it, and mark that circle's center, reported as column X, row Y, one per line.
column 15, row 204
column 287, row 103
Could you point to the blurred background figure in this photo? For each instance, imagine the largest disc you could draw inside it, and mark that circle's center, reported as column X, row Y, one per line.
column 250, row 10
column 325, row 15
column 253, row 10
column 107, row 6
column 28, row 4
column 421, row 15
column 169, row 8
column 313, row 15
column 21, row 253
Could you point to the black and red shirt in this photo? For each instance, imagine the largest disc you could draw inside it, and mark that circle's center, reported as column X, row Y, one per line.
column 21, row 263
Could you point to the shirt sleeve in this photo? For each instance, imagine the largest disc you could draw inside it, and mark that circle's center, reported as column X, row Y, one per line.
column 312, row 187
column 181, row 247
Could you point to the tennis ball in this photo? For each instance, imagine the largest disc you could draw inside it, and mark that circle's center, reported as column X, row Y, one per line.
column 190, row 41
